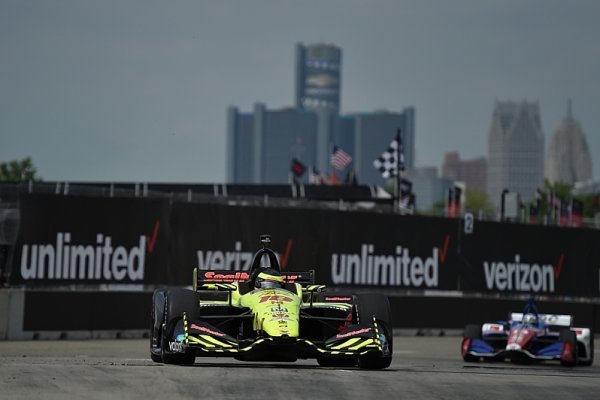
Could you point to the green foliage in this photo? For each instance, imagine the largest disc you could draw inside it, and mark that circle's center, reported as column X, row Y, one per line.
column 561, row 189
column 591, row 204
column 18, row 171
column 390, row 186
column 437, row 209
column 564, row 191
column 476, row 200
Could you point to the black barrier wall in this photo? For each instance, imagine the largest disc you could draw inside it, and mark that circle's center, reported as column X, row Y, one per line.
column 86, row 241
column 93, row 311
column 345, row 249
column 90, row 241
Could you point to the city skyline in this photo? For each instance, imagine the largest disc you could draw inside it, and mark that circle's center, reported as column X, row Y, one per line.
column 139, row 91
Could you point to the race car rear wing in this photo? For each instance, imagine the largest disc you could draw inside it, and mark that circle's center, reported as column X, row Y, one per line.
column 227, row 276
column 550, row 319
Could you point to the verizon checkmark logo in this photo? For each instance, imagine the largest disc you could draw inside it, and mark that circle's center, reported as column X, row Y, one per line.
column 558, row 268
column 151, row 239
column 444, row 249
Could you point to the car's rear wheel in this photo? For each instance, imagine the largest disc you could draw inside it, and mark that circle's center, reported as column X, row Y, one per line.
column 178, row 301
column 589, row 362
column 378, row 306
column 157, row 316
column 568, row 355
column 472, row 331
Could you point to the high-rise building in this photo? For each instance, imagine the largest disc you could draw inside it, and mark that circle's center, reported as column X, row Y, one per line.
column 428, row 187
column 515, row 150
column 318, row 76
column 472, row 172
column 261, row 144
column 367, row 135
column 568, row 158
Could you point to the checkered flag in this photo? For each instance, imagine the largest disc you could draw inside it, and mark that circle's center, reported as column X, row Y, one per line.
column 387, row 163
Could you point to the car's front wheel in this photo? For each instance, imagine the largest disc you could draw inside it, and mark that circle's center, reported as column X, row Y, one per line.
column 375, row 305
column 471, row 332
column 177, row 302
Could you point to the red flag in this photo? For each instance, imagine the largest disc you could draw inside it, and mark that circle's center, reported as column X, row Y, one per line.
column 334, row 180
column 453, row 209
column 297, row 167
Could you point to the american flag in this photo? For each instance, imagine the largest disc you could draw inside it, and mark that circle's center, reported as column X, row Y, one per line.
column 387, row 163
column 339, row 158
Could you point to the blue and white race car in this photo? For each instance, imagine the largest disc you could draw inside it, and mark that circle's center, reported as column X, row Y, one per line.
column 529, row 336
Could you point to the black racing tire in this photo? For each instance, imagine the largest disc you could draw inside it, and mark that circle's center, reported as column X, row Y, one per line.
column 156, row 358
column 378, row 305
column 591, row 360
column 472, row 331
column 157, row 318
column 178, row 301
column 570, row 337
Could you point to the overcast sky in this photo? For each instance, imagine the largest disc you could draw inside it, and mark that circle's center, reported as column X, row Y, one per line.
column 137, row 90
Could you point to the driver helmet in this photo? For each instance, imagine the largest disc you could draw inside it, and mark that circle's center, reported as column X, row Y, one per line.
column 268, row 279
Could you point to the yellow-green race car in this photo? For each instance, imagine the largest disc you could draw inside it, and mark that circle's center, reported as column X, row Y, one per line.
column 265, row 314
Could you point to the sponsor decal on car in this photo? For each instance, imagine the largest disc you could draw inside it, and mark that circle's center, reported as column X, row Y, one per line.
column 275, row 298
column 291, row 278
column 338, row 298
column 207, row 330
column 353, row 333
column 492, row 328
column 212, row 276
column 279, row 315
column 176, row 346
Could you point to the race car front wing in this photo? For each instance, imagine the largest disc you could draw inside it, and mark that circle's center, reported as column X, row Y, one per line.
column 204, row 340
column 480, row 348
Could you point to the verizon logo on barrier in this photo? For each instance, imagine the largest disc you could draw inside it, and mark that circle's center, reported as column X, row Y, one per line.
column 520, row 276
column 236, row 260
column 66, row 260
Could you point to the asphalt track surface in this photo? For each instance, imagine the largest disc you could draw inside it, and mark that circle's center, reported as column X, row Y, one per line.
column 423, row 368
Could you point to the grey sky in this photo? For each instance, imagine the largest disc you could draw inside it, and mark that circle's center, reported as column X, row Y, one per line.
column 137, row 90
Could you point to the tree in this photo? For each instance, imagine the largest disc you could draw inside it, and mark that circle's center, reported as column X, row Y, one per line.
column 18, row 171
column 591, row 204
column 477, row 200
column 562, row 190
column 437, row 209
